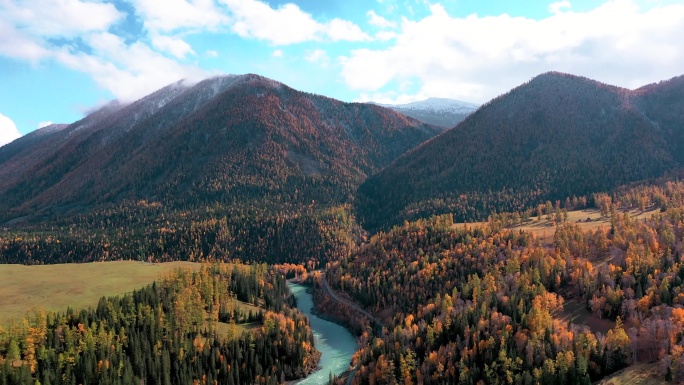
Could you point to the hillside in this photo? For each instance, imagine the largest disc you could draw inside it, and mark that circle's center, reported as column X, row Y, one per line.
column 440, row 112
column 554, row 137
column 226, row 139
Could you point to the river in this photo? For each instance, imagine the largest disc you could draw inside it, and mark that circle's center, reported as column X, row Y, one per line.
column 335, row 343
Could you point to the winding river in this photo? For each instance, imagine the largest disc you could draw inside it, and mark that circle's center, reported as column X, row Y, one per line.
column 335, row 343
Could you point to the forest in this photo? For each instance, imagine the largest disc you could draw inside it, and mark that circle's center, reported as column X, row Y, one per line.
column 484, row 304
column 182, row 329
column 152, row 232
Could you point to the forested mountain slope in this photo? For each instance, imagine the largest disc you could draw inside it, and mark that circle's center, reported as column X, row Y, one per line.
column 663, row 104
column 226, row 139
column 554, row 137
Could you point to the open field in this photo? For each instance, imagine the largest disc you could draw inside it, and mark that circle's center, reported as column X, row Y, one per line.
column 587, row 219
column 640, row 374
column 78, row 285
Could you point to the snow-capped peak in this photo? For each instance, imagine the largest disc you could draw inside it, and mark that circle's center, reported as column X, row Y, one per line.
column 436, row 111
column 440, row 104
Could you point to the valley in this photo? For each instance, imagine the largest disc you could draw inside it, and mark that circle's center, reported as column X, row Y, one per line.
column 538, row 240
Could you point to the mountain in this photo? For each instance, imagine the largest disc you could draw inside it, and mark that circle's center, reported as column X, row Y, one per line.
column 663, row 105
column 554, row 137
column 439, row 112
column 225, row 139
column 231, row 167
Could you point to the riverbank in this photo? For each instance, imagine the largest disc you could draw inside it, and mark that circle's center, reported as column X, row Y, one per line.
column 334, row 341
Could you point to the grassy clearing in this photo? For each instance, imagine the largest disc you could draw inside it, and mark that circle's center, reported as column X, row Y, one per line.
column 246, row 307
column 223, row 328
column 574, row 311
column 641, row 374
column 242, row 327
column 588, row 219
column 80, row 285
column 56, row 287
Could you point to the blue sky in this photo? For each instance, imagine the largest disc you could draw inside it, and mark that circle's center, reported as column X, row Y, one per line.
column 60, row 59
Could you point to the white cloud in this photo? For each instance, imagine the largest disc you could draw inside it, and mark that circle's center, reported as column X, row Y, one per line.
column 18, row 45
column 476, row 58
column 8, row 130
column 179, row 14
column 164, row 23
column 557, row 7
column 389, row 98
column 25, row 25
column 385, row 35
column 277, row 53
column 343, row 30
column 287, row 24
column 379, row 21
column 317, row 55
column 174, row 46
column 129, row 68
column 63, row 18
column 128, row 71
column 45, row 124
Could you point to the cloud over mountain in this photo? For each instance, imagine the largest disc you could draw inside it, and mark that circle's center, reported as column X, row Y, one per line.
column 478, row 57
column 8, row 130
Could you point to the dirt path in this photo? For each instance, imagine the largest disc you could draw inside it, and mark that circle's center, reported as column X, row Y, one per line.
column 348, row 303
column 353, row 306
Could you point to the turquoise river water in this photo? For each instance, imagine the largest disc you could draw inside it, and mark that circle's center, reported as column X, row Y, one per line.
column 335, row 343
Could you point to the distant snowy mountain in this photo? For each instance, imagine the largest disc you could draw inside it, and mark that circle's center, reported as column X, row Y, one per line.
column 440, row 112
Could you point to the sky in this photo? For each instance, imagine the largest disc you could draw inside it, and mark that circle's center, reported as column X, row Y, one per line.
column 60, row 59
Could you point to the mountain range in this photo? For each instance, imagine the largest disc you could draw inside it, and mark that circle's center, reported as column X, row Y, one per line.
column 440, row 112
column 248, row 141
